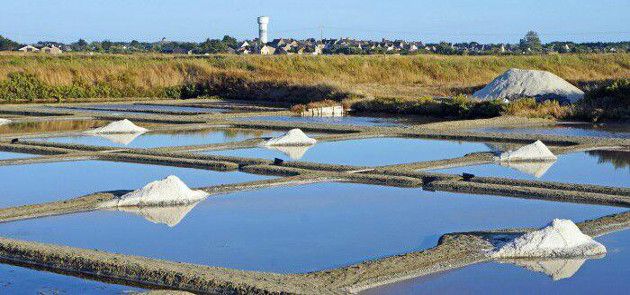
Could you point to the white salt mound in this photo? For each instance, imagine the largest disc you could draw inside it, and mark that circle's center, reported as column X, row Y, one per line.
column 295, row 137
column 168, row 191
column 122, row 126
column 561, row 238
column 536, row 151
column 4, row 121
column 517, row 83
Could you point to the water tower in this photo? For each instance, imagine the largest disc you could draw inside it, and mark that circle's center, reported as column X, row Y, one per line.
column 262, row 29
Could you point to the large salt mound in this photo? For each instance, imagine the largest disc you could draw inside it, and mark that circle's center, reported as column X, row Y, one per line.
column 4, row 121
column 122, row 126
column 295, row 137
column 561, row 238
column 517, row 83
column 168, row 191
column 536, row 151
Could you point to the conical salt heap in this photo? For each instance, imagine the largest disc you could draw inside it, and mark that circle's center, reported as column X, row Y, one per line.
column 536, row 151
column 168, row 191
column 122, row 126
column 561, row 238
column 517, row 83
column 295, row 137
column 4, row 121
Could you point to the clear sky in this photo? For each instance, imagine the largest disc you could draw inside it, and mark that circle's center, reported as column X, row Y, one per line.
column 429, row 21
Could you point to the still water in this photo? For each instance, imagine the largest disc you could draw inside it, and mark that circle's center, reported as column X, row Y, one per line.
column 608, row 168
column 20, row 280
column 47, row 182
column 9, row 155
column 295, row 229
column 345, row 120
column 595, row 130
column 365, row 152
column 607, row 275
column 164, row 139
column 49, row 126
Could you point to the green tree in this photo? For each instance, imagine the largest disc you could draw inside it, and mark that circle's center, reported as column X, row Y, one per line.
column 7, row 44
column 213, row 46
column 531, row 41
column 230, row 41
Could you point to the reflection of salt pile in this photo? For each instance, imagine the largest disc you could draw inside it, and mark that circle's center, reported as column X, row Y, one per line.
column 295, row 137
column 122, row 126
column 561, row 238
column 536, row 169
column 120, row 138
column 4, row 121
column 536, row 151
column 168, row 191
column 170, row 215
column 293, row 152
column 516, row 83
column 557, row 269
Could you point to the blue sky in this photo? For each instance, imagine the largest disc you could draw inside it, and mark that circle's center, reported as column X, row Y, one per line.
column 430, row 21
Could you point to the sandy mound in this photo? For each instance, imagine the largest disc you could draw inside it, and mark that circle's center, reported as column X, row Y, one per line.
column 561, row 238
column 169, row 215
column 536, row 151
column 168, row 191
column 536, row 169
column 122, row 126
column 295, row 137
column 293, row 152
column 556, row 269
column 516, row 83
column 4, row 121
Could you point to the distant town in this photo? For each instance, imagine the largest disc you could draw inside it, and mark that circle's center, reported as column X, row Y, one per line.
column 530, row 44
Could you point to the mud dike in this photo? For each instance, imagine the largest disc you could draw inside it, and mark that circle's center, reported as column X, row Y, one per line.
column 454, row 250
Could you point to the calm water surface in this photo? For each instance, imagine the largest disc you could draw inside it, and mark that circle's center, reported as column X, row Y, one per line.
column 595, row 130
column 608, row 275
column 9, row 155
column 365, row 152
column 345, row 120
column 46, row 182
column 164, row 139
column 295, row 229
column 609, row 168
column 50, row 126
column 20, row 280
column 140, row 108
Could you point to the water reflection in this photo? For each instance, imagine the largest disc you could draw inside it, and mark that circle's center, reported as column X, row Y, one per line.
column 119, row 138
column 556, row 269
column 50, row 126
column 293, row 152
column 618, row 159
column 169, row 215
column 568, row 129
column 536, row 169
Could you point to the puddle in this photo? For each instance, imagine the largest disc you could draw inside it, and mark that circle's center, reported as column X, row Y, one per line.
column 9, row 155
column 164, row 139
column 50, row 126
column 47, row 182
column 345, row 120
column 295, row 229
column 570, row 129
column 365, row 152
column 607, row 275
column 608, row 168
column 21, row 280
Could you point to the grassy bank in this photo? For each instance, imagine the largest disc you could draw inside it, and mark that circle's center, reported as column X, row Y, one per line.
column 299, row 78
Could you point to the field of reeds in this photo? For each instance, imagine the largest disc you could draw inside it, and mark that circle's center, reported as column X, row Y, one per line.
column 296, row 79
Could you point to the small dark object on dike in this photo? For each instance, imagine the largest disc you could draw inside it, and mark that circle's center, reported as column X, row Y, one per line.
column 277, row 161
column 468, row 176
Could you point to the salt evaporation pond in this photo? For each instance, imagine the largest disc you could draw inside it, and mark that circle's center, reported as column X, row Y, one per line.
column 345, row 120
column 47, row 182
column 295, row 229
column 594, row 130
column 20, row 280
column 163, row 139
column 9, row 155
column 365, row 152
column 607, row 275
column 608, row 168
column 49, row 126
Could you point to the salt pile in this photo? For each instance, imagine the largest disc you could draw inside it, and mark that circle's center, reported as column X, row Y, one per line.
column 295, row 137
column 536, row 151
column 517, row 83
column 168, row 191
column 561, row 238
column 122, row 126
column 4, row 121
